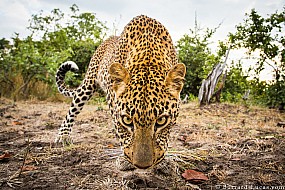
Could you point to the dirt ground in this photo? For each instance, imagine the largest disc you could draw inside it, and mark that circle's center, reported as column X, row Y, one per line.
column 234, row 146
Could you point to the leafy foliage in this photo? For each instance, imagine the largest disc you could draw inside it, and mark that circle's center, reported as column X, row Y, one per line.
column 236, row 83
column 265, row 36
column 54, row 38
column 193, row 50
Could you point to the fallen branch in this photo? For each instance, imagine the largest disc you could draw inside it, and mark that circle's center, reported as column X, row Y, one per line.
column 208, row 85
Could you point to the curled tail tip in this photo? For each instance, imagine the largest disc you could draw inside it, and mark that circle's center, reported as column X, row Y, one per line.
column 60, row 75
column 71, row 64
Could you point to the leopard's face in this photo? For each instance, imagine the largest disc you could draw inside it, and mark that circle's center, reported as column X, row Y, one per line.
column 144, row 113
column 143, row 121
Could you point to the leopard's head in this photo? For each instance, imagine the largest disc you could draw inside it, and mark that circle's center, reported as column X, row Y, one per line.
column 145, row 108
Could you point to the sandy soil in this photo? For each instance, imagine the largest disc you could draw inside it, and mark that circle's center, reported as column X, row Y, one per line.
column 234, row 146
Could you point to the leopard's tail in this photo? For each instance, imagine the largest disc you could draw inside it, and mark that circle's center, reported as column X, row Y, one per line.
column 60, row 75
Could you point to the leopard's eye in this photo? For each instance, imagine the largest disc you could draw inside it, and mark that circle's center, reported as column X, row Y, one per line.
column 161, row 121
column 127, row 121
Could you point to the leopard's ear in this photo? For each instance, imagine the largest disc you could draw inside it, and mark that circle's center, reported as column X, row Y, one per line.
column 119, row 78
column 175, row 79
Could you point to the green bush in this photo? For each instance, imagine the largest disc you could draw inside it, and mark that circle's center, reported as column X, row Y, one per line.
column 36, row 58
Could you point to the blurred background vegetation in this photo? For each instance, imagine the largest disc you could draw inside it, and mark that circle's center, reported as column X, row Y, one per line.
column 28, row 65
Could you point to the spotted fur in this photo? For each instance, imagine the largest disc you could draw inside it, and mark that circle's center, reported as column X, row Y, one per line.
column 142, row 79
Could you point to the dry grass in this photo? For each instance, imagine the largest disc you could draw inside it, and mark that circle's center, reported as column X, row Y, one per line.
column 231, row 144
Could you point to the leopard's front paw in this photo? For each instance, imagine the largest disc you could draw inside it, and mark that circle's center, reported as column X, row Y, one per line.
column 65, row 139
column 123, row 164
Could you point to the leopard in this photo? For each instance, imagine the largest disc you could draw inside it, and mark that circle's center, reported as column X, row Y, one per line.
column 142, row 80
